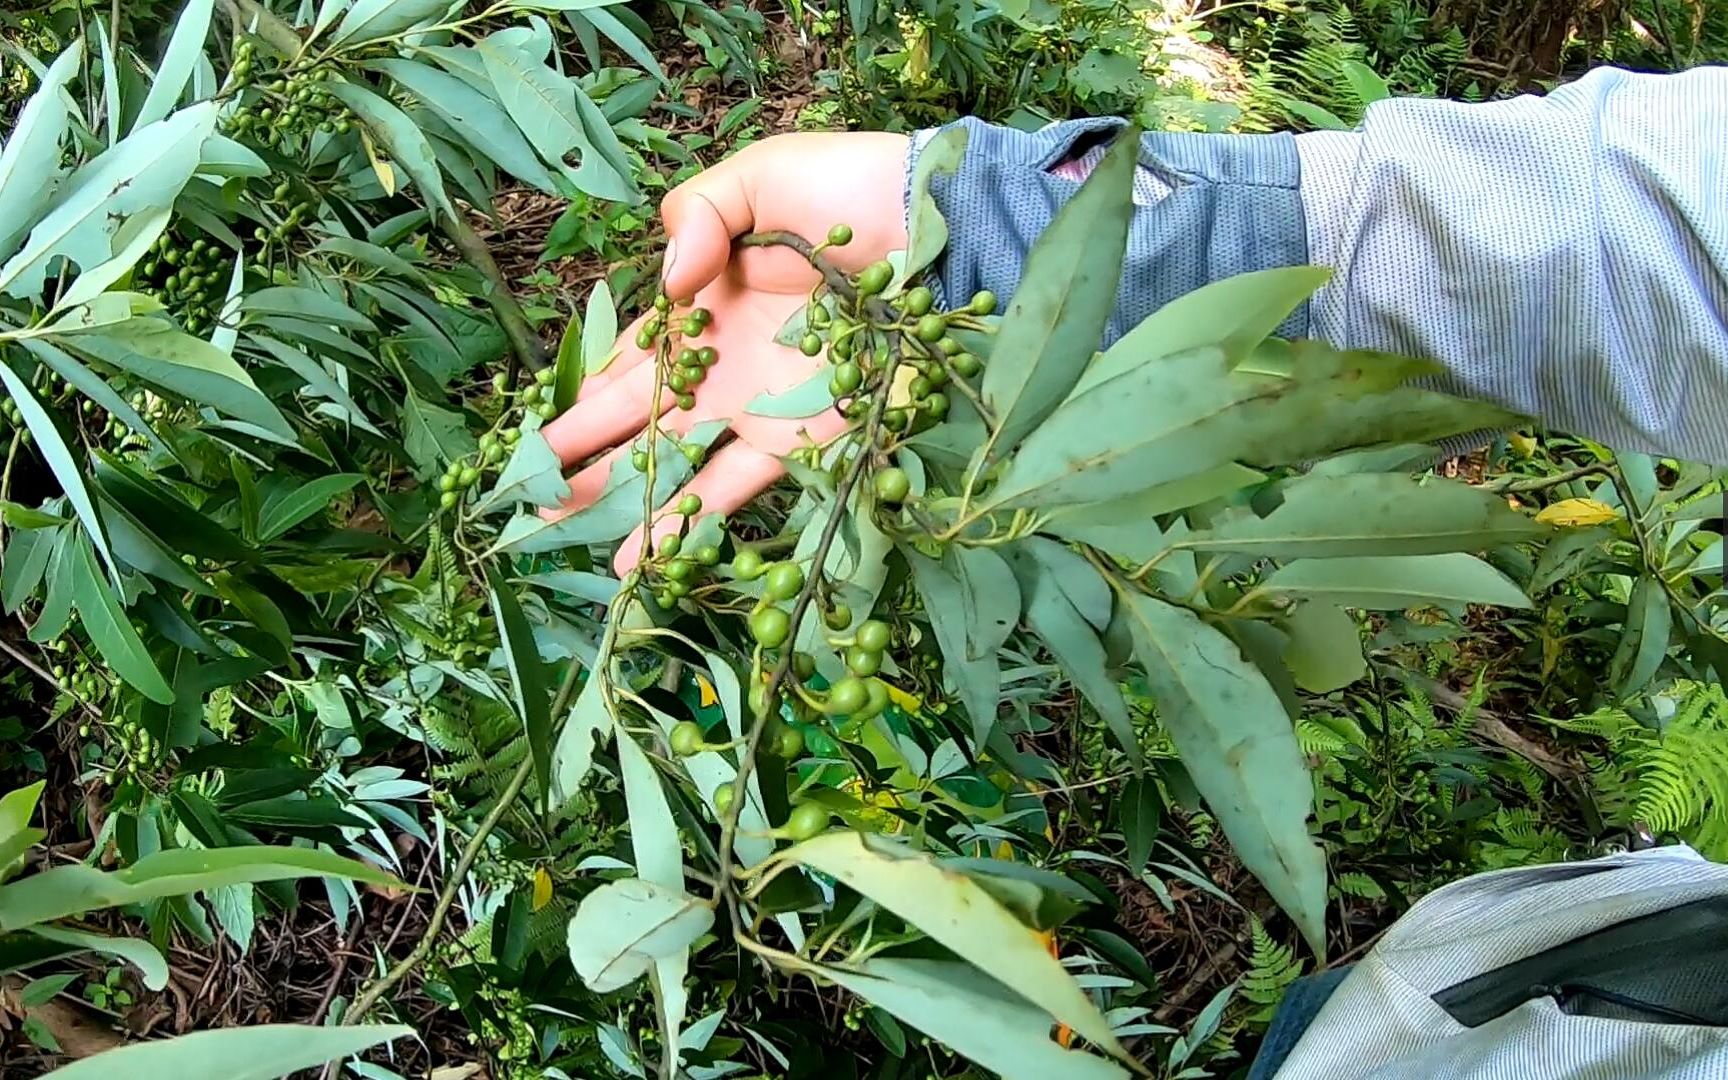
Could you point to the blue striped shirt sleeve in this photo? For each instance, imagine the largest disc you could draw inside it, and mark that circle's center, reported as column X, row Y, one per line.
column 1565, row 256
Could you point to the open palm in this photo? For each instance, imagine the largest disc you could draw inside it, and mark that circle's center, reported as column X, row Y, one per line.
column 798, row 183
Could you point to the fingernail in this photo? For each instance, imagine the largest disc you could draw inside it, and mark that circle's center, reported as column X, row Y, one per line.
column 670, row 257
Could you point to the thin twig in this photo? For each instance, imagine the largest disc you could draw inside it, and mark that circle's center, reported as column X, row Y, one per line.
column 1510, row 486
column 45, row 675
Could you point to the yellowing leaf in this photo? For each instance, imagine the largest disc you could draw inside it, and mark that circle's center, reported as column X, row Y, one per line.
column 1578, row 512
column 542, row 888
column 902, row 700
column 706, row 689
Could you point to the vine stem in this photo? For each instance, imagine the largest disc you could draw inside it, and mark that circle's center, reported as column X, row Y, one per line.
column 1509, row 486
column 525, row 346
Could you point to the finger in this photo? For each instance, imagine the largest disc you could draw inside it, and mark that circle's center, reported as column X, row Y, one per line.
column 732, row 477
column 606, row 417
column 702, row 216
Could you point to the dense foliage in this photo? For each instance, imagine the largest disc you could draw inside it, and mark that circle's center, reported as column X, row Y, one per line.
column 907, row 768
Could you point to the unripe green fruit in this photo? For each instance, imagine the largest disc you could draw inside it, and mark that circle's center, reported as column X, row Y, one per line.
column 692, row 453
column 770, row 627
column 760, row 703
column 803, row 666
column 692, row 326
column 931, row 328
column 468, row 476
column 512, row 436
column 847, row 696
column 878, row 699
column 892, row 485
column 639, row 460
column 936, row 405
column 983, row 302
column 895, row 419
column 671, row 545
column 747, row 564
column 848, row 377
column 863, row 662
column 446, row 483
column 919, row 301
column 838, row 617
column 706, row 355
column 690, row 505
column 545, row 376
column 789, row 743
column 686, row 401
column 875, row 278
column 500, row 382
column 706, row 555
column 686, row 357
column 644, row 339
column 840, row 235
column 531, row 396
column 677, row 383
column 665, row 600
column 723, row 796
column 447, row 500
column 693, row 376
column 686, row 738
column 966, row 365
column 873, row 635
column 784, row 581
column 810, row 345
column 949, row 347
column 680, row 569
column 493, row 454
column 807, row 820
column 919, row 387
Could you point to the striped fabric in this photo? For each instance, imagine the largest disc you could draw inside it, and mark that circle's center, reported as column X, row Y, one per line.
column 1383, row 1023
column 1565, row 256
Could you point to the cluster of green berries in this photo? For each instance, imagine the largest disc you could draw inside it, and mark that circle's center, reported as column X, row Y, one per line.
column 283, row 103
column 537, row 396
column 11, row 418
column 190, row 279
column 690, row 362
column 295, row 212
column 675, row 570
column 859, row 343
column 128, row 750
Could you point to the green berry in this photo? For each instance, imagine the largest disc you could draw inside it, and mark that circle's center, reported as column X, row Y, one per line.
column 532, row 395
column 847, row 696
column 807, row 820
column 784, row 581
column 690, row 505
column 983, row 302
column 671, row 545
column 838, row 617
column 747, row 565
column 546, row 410
column 680, row 569
column 446, row 483
column 706, row 555
column 723, row 796
column 803, row 666
column 892, row 485
column 545, row 376
column 644, row 339
column 693, row 376
column 512, row 436
column 677, row 383
column 448, row 499
column 665, row 600
column 936, row 405
column 686, row 738
column 692, row 326
column 919, row 301
column 966, row 365
column 811, row 345
column 639, row 460
column 692, row 453
column 874, row 635
column 863, row 662
column 468, row 476
column 895, row 419
column 770, row 627
column 931, row 328
column 848, row 377
column 686, row 401
column 789, row 743
column 948, row 346
column 493, row 454
column 840, row 235
column 707, row 355
column 875, row 278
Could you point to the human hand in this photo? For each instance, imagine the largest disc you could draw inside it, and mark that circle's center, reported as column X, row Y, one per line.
column 803, row 184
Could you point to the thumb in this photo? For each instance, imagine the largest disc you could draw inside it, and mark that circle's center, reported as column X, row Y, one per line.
column 702, row 216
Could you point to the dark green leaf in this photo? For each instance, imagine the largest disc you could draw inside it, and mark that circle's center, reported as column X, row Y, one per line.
column 288, row 507
column 1237, row 743
column 403, row 139
column 481, row 121
column 309, row 304
column 27, row 557
column 1395, row 582
column 1139, row 811
column 527, row 676
column 951, row 603
column 289, row 812
column 1057, row 316
column 109, row 628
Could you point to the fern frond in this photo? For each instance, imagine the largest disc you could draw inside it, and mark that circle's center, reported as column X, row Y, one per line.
column 1272, row 967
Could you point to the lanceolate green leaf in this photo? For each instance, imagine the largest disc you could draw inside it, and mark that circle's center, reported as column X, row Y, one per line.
column 808, row 398
column 1372, row 514
column 543, row 104
column 136, row 951
column 145, row 171
column 476, row 117
column 527, row 675
column 573, row 756
column 290, row 506
column 1644, row 644
column 30, row 163
column 1056, row 318
column 72, row 890
column 951, row 604
column 1237, row 744
column 180, row 364
column 403, row 139
column 184, row 49
column 1395, row 582
column 110, row 630
column 599, row 333
column 1235, row 314
column 1186, row 414
column 926, row 231
column 971, row 1013
column 659, row 861
column 66, row 468
column 533, row 474
column 370, row 20
column 960, row 914
column 260, row 1052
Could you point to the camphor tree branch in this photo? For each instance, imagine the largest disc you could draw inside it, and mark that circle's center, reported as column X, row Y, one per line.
column 248, row 16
